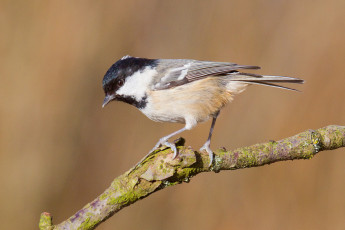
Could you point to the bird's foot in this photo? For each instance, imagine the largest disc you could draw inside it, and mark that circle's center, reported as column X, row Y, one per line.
column 164, row 141
column 207, row 148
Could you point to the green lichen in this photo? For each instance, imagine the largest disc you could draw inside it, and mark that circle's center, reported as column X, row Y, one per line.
column 121, row 194
column 104, row 196
column 332, row 137
column 246, row 159
column 316, row 141
column 45, row 222
column 88, row 224
column 186, row 173
column 125, row 198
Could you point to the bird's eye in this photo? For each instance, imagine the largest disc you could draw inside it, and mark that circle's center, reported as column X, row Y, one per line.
column 120, row 82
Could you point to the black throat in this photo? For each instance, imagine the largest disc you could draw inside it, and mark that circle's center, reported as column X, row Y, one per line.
column 132, row 101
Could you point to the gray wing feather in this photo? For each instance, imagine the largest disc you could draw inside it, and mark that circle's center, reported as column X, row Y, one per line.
column 205, row 69
column 181, row 71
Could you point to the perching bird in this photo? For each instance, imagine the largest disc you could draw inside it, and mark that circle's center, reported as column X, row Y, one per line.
column 181, row 90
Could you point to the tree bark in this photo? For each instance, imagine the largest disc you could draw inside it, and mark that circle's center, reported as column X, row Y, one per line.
column 159, row 171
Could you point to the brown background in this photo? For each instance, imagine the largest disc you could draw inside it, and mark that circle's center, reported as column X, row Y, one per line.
column 59, row 149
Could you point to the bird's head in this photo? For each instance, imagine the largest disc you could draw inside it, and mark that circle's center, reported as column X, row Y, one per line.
column 125, row 80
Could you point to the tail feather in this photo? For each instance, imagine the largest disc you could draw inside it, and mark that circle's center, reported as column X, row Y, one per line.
column 265, row 80
column 271, row 85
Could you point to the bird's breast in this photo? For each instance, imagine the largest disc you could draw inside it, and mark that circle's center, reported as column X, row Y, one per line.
column 197, row 101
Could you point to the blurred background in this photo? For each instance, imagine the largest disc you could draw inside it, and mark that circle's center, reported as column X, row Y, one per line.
column 59, row 149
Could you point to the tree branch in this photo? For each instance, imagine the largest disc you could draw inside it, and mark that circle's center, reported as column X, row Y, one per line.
column 159, row 171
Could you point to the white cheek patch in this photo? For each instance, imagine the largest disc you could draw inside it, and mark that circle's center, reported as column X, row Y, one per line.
column 137, row 84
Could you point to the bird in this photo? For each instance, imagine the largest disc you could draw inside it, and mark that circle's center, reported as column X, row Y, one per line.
column 183, row 91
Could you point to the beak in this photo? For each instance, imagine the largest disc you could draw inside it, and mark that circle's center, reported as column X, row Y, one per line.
column 107, row 99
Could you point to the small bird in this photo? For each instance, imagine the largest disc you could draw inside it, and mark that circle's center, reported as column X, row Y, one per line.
column 181, row 90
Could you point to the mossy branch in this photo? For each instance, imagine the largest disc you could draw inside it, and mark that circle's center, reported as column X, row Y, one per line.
column 159, row 171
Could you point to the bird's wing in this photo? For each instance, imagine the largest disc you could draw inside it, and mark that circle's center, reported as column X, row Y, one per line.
column 180, row 71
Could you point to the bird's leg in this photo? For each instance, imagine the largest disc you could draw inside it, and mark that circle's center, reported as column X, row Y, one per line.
column 206, row 146
column 163, row 141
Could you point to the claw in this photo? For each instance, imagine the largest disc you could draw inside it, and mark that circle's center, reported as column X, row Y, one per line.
column 173, row 148
column 163, row 141
column 207, row 148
